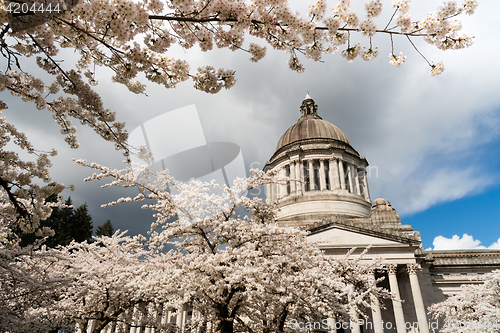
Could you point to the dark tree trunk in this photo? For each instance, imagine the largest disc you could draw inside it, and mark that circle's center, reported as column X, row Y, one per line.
column 226, row 326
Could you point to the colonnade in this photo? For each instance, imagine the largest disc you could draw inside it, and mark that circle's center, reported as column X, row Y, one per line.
column 401, row 324
column 140, row 312
column 319, row 174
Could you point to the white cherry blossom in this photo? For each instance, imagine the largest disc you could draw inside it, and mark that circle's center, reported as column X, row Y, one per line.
column 397, row 60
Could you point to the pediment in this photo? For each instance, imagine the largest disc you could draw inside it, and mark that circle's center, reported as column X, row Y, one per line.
column 338, row 236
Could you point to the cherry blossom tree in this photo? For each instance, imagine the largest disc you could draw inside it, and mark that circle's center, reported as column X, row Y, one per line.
column 475, row 309
column 232, row 264
column 108, row 279
column 26, row 279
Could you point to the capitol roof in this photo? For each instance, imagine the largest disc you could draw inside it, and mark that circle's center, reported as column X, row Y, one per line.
column 311, row 126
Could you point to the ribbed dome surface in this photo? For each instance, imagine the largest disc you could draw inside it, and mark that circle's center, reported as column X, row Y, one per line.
column 311, row 128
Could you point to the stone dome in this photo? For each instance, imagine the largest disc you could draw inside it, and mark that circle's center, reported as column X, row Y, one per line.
column 381, row 204
column 311, row 128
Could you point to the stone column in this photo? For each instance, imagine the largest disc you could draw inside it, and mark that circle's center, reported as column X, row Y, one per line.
column 169, row 316
column 183, row 321
column 356, row 180
column 293, row 174
column 268, row 192
column 311, row 175
column 353, row 318
column 331, row 325
column 275, row 193
column 334, row 174
column 349, row 178
column 354, row 325
column 142, row 314
column 178, row 318
column 277, row 187
column 333, row 329
column 423, row 325
column 279, row 191
column 283, row 191
column 396, row 304
column 376, row 312
column 159, row 314
column 341, row 174
column 92, row 325
column 366, row 192
column 322, row 179
column 135, row 321
column 164, row 316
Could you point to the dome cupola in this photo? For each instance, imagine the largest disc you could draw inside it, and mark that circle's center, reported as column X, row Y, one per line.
column 309, row 108
column 331, row 172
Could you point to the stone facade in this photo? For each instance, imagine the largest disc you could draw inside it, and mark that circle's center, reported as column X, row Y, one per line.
column 331, row 200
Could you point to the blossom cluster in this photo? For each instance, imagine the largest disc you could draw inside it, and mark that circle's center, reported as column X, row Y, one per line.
column 397, row 60
column 23, row 270
column 133, row 37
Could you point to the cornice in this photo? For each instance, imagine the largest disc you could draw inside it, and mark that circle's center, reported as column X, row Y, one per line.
column 311, row 146
column 367, row 229
column 463, row 258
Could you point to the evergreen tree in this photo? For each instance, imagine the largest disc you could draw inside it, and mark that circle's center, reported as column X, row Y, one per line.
column 68, row 224
column 106, row 229
column 79, row 226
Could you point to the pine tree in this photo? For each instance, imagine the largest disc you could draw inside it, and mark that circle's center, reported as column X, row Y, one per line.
column 106, row 229
column 80, row 226
column 68, row 224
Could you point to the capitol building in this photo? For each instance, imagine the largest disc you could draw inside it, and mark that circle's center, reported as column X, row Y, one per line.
column 333, row 203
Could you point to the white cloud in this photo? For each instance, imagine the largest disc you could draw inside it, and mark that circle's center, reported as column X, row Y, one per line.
column 445, row 184
column 466, row 242
column 495, row 245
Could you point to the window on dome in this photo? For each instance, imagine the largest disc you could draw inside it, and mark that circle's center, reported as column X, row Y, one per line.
column 288, row 190
column 327, row 177
column 361, row 182
column 346, row 177
column 306, row 176
column 316, row 175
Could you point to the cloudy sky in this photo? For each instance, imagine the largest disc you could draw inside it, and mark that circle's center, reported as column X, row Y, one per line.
column 435, row 141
